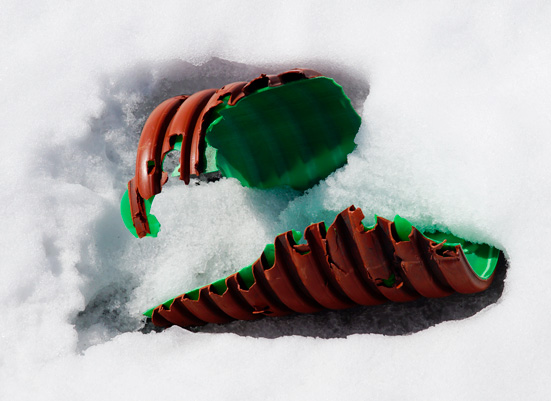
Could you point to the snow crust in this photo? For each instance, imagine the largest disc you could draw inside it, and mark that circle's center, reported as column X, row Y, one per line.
column 456, row 134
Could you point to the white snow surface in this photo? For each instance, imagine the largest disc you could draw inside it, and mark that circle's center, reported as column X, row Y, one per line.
column 456, row 134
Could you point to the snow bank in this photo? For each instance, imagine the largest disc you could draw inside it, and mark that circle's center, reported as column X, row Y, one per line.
column 455, row 134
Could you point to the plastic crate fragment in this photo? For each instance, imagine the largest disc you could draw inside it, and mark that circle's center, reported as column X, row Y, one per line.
column 291, row 129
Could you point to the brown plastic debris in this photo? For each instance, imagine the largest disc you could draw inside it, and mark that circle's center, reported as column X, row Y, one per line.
column 338, row 268
column 188, row 117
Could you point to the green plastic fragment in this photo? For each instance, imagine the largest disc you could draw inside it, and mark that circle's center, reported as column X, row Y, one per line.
column 482, row 257
column 194, row 294
column 269, row 253
column 247, row 276
column 294, row 134
column 389, row 282
column 220, row 286
column 297, row 235
column 154, row 225
column 167, row 304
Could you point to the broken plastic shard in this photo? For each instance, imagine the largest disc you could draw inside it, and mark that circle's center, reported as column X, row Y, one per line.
column 292, row 129
column 126, row 213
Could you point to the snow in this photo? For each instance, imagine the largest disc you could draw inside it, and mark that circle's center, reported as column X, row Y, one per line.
column 455, row 134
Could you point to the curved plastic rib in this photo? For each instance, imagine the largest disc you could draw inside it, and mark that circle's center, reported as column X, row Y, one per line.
column 337, row 268
column 186, row 117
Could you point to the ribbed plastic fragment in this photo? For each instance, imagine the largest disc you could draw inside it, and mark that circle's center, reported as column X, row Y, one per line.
column 337, row 268
column 187, row 117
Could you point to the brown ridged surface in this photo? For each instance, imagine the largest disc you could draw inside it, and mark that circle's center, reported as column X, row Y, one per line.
column 338, row 268
column 188, row 117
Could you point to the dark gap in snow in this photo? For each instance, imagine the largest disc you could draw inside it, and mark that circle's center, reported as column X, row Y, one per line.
column 105, row 316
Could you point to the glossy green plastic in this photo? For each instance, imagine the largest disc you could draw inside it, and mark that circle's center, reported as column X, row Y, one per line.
column 154, row 225
column 294, row 134
column 290, row 135
column 482, row 257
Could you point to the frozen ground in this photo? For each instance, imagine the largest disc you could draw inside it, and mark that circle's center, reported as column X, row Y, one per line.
column 456, row 134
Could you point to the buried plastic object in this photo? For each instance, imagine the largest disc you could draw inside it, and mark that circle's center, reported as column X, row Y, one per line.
column 291, row 129
column 344, row 265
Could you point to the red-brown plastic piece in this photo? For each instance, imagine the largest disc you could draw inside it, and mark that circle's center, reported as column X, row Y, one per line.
column 188, row 117
column 336, row 269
